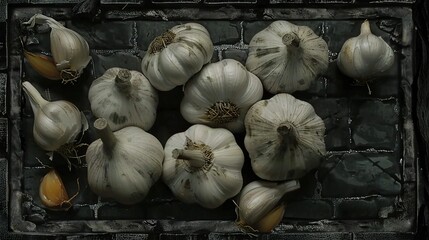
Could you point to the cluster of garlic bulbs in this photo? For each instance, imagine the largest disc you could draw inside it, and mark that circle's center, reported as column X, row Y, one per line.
column 284, row 136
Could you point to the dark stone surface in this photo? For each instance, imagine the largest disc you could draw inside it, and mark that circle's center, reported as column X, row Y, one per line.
column 314, row 209
column 106, row 60
column 335, row 114
column 183, row 236
column 285, row 1
column 229, row 1
column 4, row 137
column 171, row 1
column 105, row 35
column 3, row 46
column 356, row 175
column 236, row 54
column 374, row 124
column 120, row 1
column 292, row 236
column 385, row 236
column 372, row 208
column 3, row 100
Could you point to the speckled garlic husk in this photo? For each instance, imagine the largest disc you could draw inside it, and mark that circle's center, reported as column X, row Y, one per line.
column 56, row 123
column 287, row 57
column 123, row 165
column 203, row 165
column 284, row 138
column 124, row 98
column 261, row 205
column 366, row 56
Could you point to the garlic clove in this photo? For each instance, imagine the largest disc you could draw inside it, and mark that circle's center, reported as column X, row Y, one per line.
column 43, row 65
column 365, row 57
column 260, row 204
column 69, row 49
column 52, row 192
column 56, row 123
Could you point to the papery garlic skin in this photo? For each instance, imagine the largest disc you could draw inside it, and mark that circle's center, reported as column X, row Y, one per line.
column 124, row 98
column 364, row 57
column 176, row 55
column 259, row 199
column 208, row 169
column 69, row 49
column 123, row 165
column 284, row 138
column 287, row 57
column 220, row 95
column 55, row 123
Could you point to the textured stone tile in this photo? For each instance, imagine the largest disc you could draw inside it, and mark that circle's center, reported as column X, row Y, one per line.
column 215, row 57
column 288, row 236
column 229, row 1
column 284, row 1
column 374, row 124
column 75, row 213
column 372, row 208
column 3, row 93
column 120, row 1
column 384, row 236
column 3, row 187
column 4, row 137
column 236, row 54
column 313, row 209
column 354, row 175
column 112, row 211
column 172, row 236
column 3, row 46
column 132, row 236
column 222, row 32
column 331, row 1
column 104, row 61
column 174, row 2
column 53, row 1
column 335, row 114
column 105, row 35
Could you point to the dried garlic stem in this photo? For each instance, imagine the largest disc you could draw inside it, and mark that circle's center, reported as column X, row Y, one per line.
column 196, row 158
column 105, row 133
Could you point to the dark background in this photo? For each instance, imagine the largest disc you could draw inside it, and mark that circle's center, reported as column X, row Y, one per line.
column 92, row 10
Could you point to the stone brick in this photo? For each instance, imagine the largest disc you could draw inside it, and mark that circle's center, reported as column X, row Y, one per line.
column 282, row 236
column 74, row 213
column 284, row 1
column 132, row 236
column 106, row 60
column 174, row 2
column 374, row 124
column 384, row 236
column 222, row 32
column 215, row 57
column 3, row 46
column 230, row 1
column 356, row 175
column 120, row 1
column 309, row 209
column 331, row 1
column 53, row 1
column 3, row 93
column 105, row 35
column 33, row 176
column 236, row 54
column 4, row 137
column 172, row 236
column 3, row 188
column 371, row 208
column 335, row 114
column 113, row 211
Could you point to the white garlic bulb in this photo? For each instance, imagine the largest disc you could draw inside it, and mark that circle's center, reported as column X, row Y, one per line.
column 69, row 49
column 261, row 204
column 123, row 165
column 124, row 98
column 364, row 57
column 176, row 55
column 220, row 95
column 284, row 138
column 287, row 57
column 203, row 165
column 56, row 123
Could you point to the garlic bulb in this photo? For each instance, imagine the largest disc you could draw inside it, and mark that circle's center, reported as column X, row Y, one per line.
column 55, row 123
column 52, row 192
column 260, row 205
column 124, row 98
column 69, row 49
column 123, row 165
column 284, row 138
column 287, row 57
column 365, row 56
column 220, row 95
column 203, row 165
column 176, row 55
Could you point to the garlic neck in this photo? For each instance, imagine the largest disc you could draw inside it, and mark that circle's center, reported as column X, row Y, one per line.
column 36, row 100
column 106, row 135
column 123, row 81
column 161, row 42
column 287, row 135
column 195, row 158
column 365, row 28
column 288, row 186
column 292, row 42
